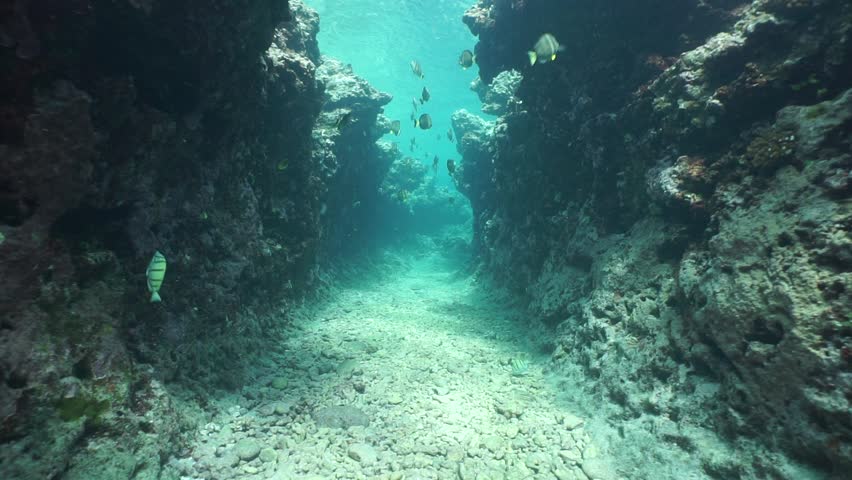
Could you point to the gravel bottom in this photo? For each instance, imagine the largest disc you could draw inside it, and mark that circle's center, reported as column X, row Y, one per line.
column 409, row 378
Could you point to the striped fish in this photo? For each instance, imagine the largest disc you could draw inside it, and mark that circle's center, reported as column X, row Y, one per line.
column 519, row 366
column 155, row 273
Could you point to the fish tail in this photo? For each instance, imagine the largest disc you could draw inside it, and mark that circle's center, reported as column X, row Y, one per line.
column 553, row 57
column 533, row 57
column 155, row 297
column 416, row 123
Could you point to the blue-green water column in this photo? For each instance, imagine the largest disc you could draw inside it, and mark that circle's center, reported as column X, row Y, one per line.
column 380, row 38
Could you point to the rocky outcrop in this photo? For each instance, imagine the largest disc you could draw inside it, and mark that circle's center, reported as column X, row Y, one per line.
column 671, row 196
column 129, row 127
column 497, row 96
column 352, row 162
column 474, row 173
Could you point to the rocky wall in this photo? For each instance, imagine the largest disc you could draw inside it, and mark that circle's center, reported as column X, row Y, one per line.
column 473, row 176
column 352, row 162
column 128, row 127
column 671, row 195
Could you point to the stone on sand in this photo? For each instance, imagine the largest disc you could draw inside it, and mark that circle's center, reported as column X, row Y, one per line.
column 247, row 449
column 362, row 453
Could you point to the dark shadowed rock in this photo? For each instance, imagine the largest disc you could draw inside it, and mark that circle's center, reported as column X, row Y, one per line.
column 674, row 186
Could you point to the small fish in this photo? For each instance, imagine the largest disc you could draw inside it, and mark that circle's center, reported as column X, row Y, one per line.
column 424, row 122
column 282, row 165
column 467, row 59
column 519, row 366
column 343, row 121
column 402, row 195
column 396, row 126
column 204, row 216
column 451, row 166
column 450, row 134
column 435, row 164
column 356, row 204
column 413, row 116
column 545, row 49
column 425, row 96
column 416, row 68
column 155, row 273
column 414, row 104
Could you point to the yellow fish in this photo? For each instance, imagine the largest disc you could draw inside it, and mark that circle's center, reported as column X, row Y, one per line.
column 155, row 273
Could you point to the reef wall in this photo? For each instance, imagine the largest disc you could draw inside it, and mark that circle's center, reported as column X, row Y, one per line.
column 128, row 127
column 671, row 195
column 349, row 157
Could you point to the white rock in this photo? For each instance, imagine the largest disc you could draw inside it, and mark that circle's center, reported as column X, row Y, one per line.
column 362, row 453
column 591, row 451
column 572, row 421
column 597, row 469
column 571, row 455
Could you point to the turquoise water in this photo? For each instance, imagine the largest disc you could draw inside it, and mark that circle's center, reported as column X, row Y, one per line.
column 380, row 38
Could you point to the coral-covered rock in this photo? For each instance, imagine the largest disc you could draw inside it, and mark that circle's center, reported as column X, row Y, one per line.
column 352, row 162
column 125, row 128
column 668, row 195
column 473, row 176
column 498, row 96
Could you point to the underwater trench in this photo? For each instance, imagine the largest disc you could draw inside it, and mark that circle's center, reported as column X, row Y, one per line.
column 453, row 239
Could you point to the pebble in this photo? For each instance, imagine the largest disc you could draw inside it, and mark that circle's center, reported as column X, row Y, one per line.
column 572, row 421
column 597, row 469
column 455, row 454
column 571, row 456
column 247, row 449
column 492, row 443
column 268, row 455
column 362, row 453
column 437, row 390
column 537, row 461
column 508, row 409
column 279, row 383
column 590, row 452
column 563, row 474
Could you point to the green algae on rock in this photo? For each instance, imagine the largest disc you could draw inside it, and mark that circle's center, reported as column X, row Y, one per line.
column 74, row 408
